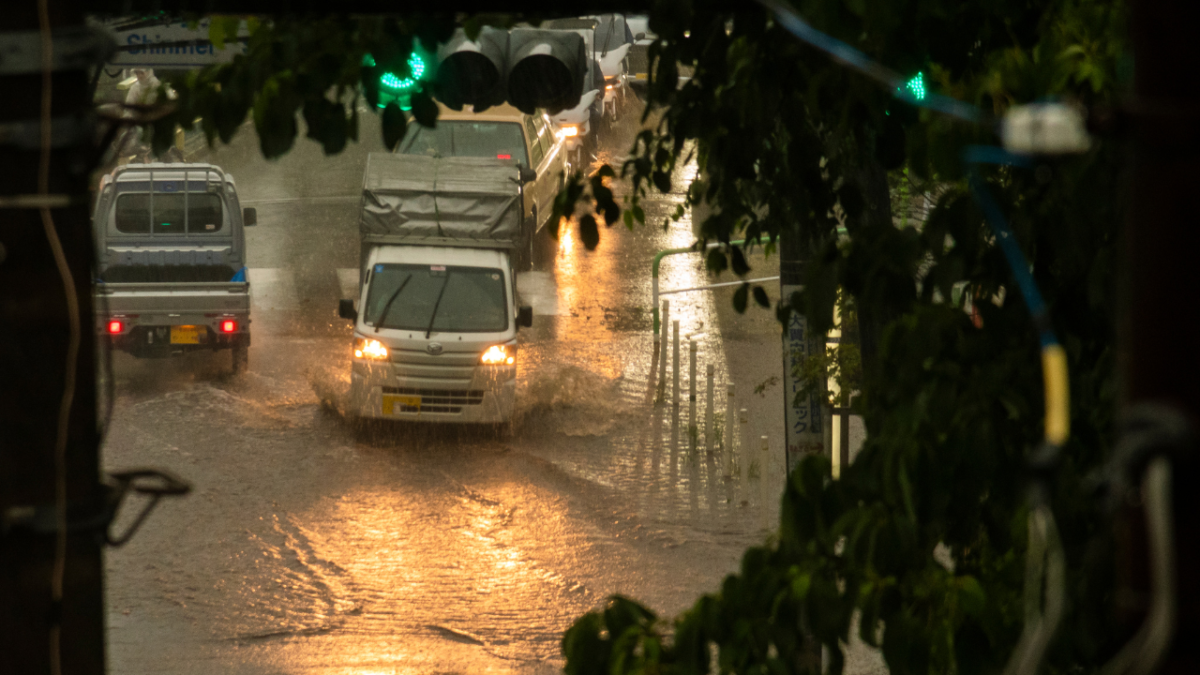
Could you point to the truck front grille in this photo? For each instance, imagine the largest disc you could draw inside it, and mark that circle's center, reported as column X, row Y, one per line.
column 440, row 400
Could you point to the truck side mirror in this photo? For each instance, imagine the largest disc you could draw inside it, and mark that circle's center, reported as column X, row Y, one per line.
column 346, row 310
column 526, row 174
column 249, row 216
column 524, row 317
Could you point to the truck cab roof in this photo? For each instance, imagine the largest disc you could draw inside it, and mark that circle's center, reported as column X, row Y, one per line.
column 443, row 255
column 162, row 171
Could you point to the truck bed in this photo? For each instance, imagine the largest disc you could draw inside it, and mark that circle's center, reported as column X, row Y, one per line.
column 183, row 299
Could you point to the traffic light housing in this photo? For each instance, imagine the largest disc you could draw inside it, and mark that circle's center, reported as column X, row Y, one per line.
column 473, row 72
column 526, row 67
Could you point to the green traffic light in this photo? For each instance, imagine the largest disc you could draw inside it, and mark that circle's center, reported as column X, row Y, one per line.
column 916, row 86
column 416, row 66
column 397, row 87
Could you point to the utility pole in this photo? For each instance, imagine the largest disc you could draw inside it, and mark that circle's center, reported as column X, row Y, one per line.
column 806, row 420
column 44, row 629
column 1160, row 363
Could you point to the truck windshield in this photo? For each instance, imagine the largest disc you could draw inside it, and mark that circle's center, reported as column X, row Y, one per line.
column 474, row 299
column 499, row 140
column 202, row 214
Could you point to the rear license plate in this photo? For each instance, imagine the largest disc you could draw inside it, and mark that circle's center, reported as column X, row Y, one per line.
column 394, row 404
column 185, row 335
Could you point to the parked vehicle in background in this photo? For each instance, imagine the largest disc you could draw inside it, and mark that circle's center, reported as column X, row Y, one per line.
column 170, row 261
column 613, row 42
column 435, row 327
column 638, row 58
column 505, row 133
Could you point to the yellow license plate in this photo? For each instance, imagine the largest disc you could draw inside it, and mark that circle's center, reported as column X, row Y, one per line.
column 393, row 404
column 185, row 335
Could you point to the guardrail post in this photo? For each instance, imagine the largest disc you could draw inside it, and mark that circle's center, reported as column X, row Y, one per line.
column 764, row 481
column 727, row 441
column 693, row 428
column 745, row 456
column 708, row 410
column 662, row 341
column 674, row 384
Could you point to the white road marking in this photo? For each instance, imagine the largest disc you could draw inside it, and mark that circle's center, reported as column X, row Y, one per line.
column 272, row 288
column 348, row 280
column 538, row 290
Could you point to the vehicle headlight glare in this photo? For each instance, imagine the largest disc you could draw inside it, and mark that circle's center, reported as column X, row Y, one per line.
column 369, row 349
column 499, row 355
column 568, row 131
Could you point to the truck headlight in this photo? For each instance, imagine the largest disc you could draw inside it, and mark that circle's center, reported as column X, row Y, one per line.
column 499, row 355
column 369, row 349
column 568, row 131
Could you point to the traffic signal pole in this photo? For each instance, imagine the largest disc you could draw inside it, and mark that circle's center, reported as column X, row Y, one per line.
column 41, row 630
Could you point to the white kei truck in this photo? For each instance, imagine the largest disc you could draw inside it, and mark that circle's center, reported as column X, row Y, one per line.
column 437, row 314
column 170, row 261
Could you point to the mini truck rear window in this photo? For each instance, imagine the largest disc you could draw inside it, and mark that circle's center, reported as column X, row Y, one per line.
column 169, row 211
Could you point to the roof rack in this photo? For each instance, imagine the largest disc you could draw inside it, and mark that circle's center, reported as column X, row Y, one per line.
column 174, row 166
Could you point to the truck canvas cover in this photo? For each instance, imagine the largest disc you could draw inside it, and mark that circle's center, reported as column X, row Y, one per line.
column 447, row 200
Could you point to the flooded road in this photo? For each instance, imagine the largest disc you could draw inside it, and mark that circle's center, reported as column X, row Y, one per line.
column 309, row 545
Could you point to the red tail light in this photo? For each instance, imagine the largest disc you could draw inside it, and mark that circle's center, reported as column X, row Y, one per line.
column 228, row 326
column 503, row 156
column 115, row 327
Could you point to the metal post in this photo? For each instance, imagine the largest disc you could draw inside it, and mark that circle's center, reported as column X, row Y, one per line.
column 727, row 441
column 844, row 439
column 744, row 440
column 764, row 481
column 835, row 454
column 674, row 385
column 693, row 428
column 708, row 410
column 662, row 360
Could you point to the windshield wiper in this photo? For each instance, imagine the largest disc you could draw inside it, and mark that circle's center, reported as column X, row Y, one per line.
column 437, row 303
column 388, row 304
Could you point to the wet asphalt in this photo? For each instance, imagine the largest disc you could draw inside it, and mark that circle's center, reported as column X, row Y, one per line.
column 310, row 545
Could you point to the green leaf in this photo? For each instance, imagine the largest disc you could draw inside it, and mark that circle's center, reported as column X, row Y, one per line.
column 760, row 296
column 715, row 261
column 740, row 267
column 424, row 109
column 472, row 27
column 740, row 298
column 216, row 33
column 662, row 181
column 326, row 122
column 971, row 597
column 586, row 652
column 589, row 232
column 394, row 124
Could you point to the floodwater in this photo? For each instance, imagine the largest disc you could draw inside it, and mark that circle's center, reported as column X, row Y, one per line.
column 310, row 545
